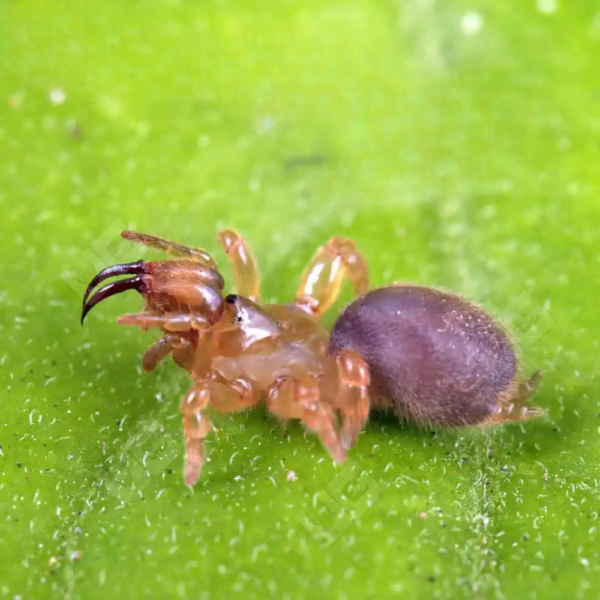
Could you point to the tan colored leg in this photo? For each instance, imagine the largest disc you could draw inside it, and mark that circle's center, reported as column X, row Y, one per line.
column 222, row 396
column 176, row 322
column 173, row 248
column 245, row 270
column 184, row 349
column 157, row 352
column 322, row 280
column 514, row 408
column 190, row 357
column 196, row 426
column 347, row 379
column 300, row 399
column 191, row 349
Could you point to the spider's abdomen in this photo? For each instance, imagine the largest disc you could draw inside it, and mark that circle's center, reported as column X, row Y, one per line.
column 434, row 357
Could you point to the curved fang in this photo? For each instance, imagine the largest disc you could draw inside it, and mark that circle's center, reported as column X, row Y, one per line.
column 110, row 289
column 134, row 268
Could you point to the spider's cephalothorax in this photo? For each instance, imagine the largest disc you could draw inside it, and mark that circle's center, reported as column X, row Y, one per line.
column 432, row 357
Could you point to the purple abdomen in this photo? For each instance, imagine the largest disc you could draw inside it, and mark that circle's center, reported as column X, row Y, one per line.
column 434, row 357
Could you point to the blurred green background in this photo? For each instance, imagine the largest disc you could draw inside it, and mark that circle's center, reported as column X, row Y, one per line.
column 456, row 141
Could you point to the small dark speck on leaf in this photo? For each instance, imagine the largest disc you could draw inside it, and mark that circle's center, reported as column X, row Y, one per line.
column 431, row 579
column 75, row 131
column 309, row 160
column 19, row 465
column 525, row 537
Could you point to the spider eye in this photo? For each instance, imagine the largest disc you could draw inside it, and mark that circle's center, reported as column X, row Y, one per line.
column 231, row 299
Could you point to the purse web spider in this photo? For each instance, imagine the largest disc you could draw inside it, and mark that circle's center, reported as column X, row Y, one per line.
column 432, row 357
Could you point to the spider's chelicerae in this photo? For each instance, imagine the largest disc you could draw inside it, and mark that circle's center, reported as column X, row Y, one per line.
column 432, row 357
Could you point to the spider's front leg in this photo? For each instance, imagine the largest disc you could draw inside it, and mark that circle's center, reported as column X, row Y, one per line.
column 179, row 346
column 174, row 248
column 220, row 395
column 157, row 352
column 189, row 342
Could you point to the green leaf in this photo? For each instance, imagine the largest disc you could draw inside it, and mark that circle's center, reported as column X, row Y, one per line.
column 456, row 143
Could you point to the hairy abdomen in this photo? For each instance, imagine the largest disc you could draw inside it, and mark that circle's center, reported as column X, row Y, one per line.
column 433, row 357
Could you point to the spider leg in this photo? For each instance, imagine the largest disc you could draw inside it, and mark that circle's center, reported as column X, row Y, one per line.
column 514, row 408
column 157, row 352
column 177, row 345
column 323, row 278
column 220, row 395
column 172, row 322
column 173, row 248
column 245, row 270
column 345, row 384
column 291, row 398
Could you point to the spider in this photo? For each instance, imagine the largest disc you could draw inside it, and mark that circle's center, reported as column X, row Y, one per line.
column 431, row 357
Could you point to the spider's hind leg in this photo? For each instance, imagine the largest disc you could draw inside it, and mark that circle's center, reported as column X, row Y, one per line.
column 345, row 385
column 216, row 393
column 514, row 406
